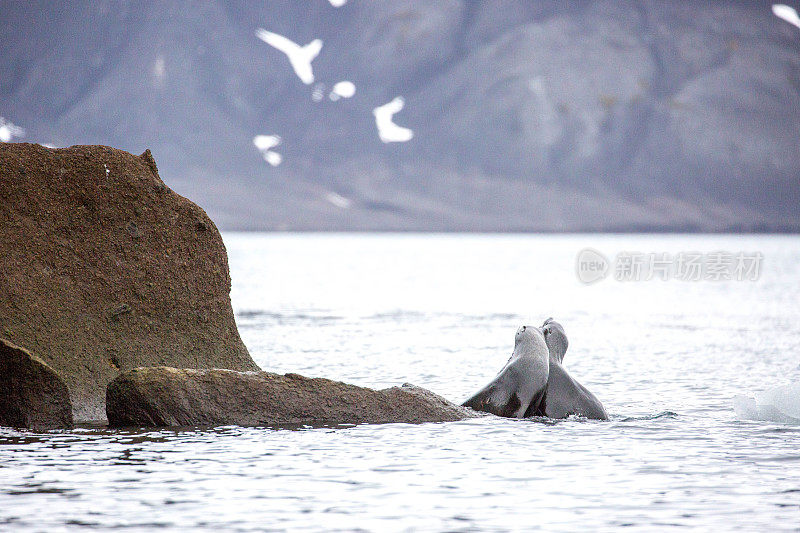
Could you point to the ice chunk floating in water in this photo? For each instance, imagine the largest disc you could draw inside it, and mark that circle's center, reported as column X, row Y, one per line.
column 337, row 3
column 780, row 404
column 8, row 130
column 299, row 56
column 787, row 13
column 264, row 144
column 343, row 89
column 388, row 131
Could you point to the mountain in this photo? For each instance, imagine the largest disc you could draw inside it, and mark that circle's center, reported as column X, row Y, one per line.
column 526, row 116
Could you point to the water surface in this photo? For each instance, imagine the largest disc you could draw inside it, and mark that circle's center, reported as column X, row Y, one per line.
column 440, row 311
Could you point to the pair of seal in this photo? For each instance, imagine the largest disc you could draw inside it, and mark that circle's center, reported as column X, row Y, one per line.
column 534, row 381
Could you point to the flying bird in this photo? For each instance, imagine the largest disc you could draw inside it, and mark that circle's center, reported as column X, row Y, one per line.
column 264, row 144
column 388, row 131
column 299, row 56
column 343, row 89
column 338, row 200
column 787, row 13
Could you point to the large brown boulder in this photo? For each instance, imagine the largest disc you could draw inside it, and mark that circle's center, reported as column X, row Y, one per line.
column 103, row 269
column 31, row 393
column 180, row 397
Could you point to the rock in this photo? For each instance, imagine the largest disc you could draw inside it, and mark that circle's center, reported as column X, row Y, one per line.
column 103, row 269
column 31, row 393
column 184, row 397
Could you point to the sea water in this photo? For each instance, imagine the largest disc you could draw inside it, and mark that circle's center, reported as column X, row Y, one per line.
column 666, row 357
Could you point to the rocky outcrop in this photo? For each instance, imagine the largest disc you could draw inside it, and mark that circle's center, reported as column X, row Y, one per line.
column 31, row 393
column 179, row 397
column 103, row 269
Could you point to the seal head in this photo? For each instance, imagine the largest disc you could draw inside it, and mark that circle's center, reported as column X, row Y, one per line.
column 556, row 339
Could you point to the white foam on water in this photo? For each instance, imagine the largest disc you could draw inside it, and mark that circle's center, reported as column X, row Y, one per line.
column 388, row 131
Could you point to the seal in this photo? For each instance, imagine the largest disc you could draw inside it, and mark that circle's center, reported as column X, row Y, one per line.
column 556, row 339
column 522, row 383
column 564, row 395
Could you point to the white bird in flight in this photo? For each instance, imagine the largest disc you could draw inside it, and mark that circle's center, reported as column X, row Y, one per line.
column 343, row 89
column 338, row 200
column 264, row 144
column 299, row 56
column 787, row 13
column 388, row 131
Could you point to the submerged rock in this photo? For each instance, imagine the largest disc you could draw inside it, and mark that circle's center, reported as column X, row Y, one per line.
column 31, row 393
column 164, row 396
column 103, row 269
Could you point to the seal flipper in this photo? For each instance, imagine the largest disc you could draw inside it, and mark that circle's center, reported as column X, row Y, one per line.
column 480, row 400
column 511, row 408
column 538, row 405
column 495, row 400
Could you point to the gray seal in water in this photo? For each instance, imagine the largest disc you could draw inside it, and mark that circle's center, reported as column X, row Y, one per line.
column 565, row 396
column 521, row 384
